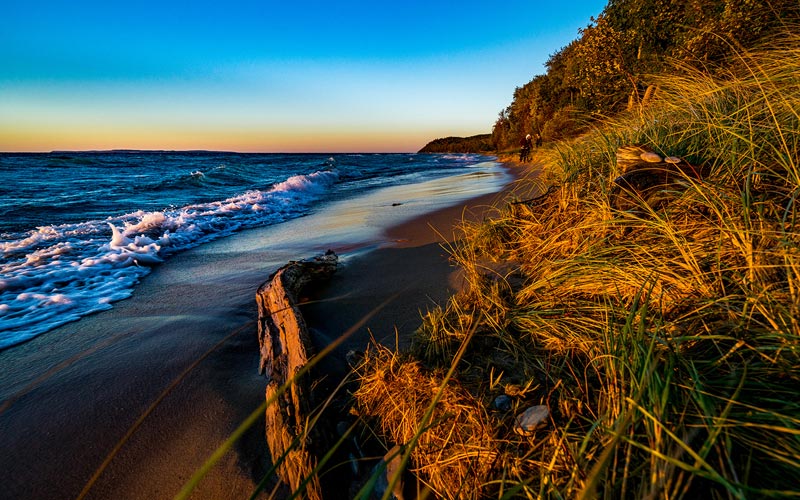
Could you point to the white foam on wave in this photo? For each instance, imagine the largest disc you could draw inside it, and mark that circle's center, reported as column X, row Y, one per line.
column 56, row 274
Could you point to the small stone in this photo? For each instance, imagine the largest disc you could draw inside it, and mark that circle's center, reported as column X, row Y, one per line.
column 673, row 159
column 630, row 157
column 531, row 419
column 502, row 403
column 650, row 157
column 392, row 461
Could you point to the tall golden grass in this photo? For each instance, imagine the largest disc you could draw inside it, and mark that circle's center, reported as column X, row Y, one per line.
column 664, row 338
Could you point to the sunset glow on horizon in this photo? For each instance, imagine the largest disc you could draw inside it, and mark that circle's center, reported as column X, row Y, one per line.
column 265, row 76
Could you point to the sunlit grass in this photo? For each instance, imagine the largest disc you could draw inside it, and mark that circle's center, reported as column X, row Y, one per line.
column 664, row 338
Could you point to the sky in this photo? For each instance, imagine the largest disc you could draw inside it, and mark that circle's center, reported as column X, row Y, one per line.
column 268, row 76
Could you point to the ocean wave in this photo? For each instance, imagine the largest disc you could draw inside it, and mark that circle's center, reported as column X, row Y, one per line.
column 56, row 274
column 459, row 156
column 219, row 176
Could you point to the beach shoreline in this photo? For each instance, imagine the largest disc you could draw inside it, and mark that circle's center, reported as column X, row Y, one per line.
column 182, row 373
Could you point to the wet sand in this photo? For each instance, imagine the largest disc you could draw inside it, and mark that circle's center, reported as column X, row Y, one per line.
column 141, row 395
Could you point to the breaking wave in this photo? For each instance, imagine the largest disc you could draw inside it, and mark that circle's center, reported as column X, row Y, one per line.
column 59, row 273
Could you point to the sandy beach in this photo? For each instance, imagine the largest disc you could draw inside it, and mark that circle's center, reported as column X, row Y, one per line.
column 129, row 402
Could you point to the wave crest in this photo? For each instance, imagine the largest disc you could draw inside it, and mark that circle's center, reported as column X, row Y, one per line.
column 58, row 274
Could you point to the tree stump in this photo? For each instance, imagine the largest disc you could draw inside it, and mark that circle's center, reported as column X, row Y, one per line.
column 649, row 178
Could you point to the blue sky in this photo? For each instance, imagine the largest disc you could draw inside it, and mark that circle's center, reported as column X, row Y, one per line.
column 267, row 76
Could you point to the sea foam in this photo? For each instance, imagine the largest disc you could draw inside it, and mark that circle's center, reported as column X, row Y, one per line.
column 56, row 274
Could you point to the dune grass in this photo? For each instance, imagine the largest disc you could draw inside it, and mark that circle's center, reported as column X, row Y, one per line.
column 664, row 338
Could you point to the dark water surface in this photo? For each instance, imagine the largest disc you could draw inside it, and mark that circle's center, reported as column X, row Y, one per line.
column 79, row 230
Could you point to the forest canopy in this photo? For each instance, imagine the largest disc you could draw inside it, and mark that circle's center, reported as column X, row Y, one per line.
column 611, row 66
column 474, row 144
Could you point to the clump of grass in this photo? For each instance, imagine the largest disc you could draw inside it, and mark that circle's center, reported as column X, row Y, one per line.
column 457, row 448
column 664, row 338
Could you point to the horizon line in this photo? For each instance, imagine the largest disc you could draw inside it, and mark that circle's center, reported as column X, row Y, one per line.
column 127, row 150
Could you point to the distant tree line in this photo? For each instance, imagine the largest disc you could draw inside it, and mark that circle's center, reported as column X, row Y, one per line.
column 609, row 67
column 473, row 144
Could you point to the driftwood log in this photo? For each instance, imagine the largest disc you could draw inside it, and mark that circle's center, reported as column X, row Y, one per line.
column 519, row 209
column 285, row 349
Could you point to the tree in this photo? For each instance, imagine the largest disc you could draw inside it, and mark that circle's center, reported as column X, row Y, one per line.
column 606, row 67
column 725, row 26
column 501, row 131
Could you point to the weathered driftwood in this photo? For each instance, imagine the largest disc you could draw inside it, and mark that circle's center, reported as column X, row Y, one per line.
column 285, row 349
column 517, row 208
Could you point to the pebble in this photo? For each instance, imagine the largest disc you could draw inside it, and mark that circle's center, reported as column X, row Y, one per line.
column 531, row 419
column 502, row 403
column 650, row 157
column 392, row 460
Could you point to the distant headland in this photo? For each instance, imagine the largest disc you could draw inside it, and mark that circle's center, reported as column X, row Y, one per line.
column 481, row 143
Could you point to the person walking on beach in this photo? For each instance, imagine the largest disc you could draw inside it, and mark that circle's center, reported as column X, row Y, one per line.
column 525, row 151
